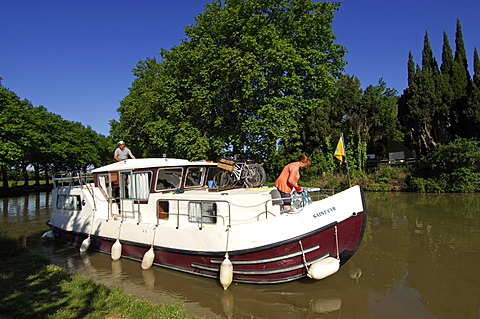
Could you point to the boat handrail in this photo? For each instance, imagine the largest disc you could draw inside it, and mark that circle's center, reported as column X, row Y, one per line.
column 75, row 179
column 72, row 178
column 267, row 204
column 266, row 214
column 299, row 200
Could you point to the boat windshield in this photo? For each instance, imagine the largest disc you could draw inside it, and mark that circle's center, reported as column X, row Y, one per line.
column 168, row 178
column 195, row 175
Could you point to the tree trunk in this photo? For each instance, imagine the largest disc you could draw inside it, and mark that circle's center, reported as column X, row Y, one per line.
column 25, row 176
column 5, row 178
column 37, row 174
column 47, row 178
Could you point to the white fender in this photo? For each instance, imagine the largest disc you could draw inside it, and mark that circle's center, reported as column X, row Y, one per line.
column 226, row 272
column 48, row 235
column 323, row 268
column 85, row 244
column 148, row 258
column 116, row 250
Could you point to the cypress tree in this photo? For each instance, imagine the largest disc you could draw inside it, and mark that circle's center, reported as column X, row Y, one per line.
column 476, row 68
column 447, row 56
column 472, row 112
column 404, row 103
column 444, row 91
column 441, row 104
column 410, row 68
column 460, row 83
column 429, row 63
column 460, row 75
column 460, row 52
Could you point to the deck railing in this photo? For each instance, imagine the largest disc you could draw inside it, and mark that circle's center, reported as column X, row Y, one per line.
column 71, row 179
column 179, row 208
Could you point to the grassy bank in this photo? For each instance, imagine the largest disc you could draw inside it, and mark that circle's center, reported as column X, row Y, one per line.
column 32, row 288
column 383, row 179
column 19, row 189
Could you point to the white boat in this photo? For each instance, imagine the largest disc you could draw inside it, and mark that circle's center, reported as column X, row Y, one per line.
column 161, row 212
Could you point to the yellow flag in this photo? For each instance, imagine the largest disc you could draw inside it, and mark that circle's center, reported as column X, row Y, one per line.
column 340, row 151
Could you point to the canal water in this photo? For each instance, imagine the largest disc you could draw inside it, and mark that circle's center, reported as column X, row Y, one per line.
column 420, row 258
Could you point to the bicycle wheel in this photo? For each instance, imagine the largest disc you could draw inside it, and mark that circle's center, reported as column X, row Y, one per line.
column 255, row 176
column 222, row 179
column 262, row 173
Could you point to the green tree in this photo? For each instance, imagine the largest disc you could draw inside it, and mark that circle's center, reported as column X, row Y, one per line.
column 13, row 142
column 372, row 122
column 447, row 56
column 322, row 128
column 384, row 124
column 453, row 167
column 476, row 68
column 419, row 103
column 442, row 117
column 432, row 109
column 40, row 155
column 460, row 82
column 472, row 110
column 33, row 137
column 247, row 71
column 411, row 69
column 76, row 147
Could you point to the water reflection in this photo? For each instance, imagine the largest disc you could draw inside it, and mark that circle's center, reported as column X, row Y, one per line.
column 335, row 297
column 419, row 258
column 25, row 214
column 424, row 252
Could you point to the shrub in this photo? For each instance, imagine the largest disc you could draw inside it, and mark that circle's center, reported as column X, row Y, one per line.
column 454, row 167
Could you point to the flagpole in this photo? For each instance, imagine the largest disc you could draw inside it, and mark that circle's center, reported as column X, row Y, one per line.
column 346, row 161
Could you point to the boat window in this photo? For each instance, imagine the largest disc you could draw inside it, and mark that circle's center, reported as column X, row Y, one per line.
column 194, row 176
column 69, row 202
column 212, row 171
column 162, row 209
column 205, row 212
column 168, row 178
column 142, row 185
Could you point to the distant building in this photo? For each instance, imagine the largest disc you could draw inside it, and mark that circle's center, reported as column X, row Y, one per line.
column 398, row 154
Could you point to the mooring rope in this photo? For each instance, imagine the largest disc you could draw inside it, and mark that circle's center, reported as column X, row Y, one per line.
column 303, row 255
column 228, row 236
column 336, row 239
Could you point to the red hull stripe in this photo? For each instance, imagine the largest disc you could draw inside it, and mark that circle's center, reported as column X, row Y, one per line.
column 260, row 272
column 265, row 260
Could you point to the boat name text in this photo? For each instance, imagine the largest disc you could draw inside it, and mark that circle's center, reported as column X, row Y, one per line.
column 324, row 212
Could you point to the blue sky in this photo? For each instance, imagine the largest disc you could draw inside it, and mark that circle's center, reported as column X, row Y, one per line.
column 76, row 57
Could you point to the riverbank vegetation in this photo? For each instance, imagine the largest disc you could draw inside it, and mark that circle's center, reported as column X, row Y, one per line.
column 447, row 168
column 33, row 288
column 266, row 79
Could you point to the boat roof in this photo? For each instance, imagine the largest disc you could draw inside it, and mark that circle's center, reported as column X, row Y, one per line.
column 140, row 163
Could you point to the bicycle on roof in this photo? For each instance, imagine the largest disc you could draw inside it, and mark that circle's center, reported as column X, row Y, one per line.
column 239, row 172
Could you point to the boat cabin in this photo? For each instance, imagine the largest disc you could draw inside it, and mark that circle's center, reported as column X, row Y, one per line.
column 151, row 190
column 136, row 179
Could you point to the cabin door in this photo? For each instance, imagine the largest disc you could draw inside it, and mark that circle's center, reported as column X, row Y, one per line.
column 127, row 192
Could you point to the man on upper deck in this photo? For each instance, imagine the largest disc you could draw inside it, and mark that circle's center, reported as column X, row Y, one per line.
column 122, row 153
